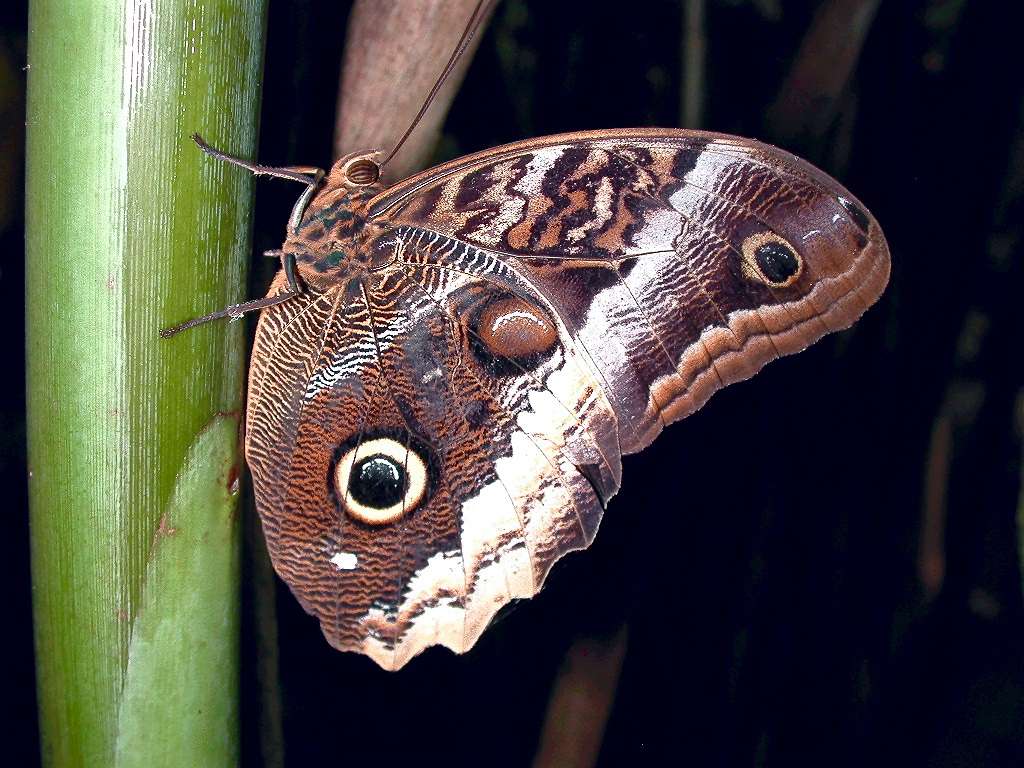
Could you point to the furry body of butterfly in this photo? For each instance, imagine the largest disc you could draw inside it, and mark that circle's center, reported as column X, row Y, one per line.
column 440, row 415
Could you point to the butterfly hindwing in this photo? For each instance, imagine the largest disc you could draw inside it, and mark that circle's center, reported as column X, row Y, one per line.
column 516, row 454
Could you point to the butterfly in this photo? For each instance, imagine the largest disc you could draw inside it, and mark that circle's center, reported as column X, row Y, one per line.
column 447, row 371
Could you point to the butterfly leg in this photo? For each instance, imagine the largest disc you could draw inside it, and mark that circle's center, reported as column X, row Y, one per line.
column 309, row 175
column 288, row 265
column 234, row 312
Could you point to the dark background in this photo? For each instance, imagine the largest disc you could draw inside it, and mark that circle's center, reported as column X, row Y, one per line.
column 821, row 566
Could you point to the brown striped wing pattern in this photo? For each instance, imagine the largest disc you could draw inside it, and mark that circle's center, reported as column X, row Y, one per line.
column 428, row 436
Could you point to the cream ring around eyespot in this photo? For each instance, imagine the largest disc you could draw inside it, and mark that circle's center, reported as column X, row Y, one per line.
column 415, row 480
column 752, row 270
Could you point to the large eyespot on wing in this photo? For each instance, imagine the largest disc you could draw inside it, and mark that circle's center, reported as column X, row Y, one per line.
column 679, row 261
column 380, row 480
column 443, row 450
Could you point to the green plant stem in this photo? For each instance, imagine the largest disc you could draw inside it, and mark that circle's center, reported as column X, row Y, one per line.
column 133, row 441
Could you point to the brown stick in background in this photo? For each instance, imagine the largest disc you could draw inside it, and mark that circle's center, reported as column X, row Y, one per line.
column 581, row 701
column 808, row 98
column 393, row 54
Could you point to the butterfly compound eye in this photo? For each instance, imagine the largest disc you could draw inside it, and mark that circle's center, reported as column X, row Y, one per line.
column 380, row 481
column 770, row 259
column 361, row 171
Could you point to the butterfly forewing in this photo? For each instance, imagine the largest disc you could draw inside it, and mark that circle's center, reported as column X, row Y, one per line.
column 649, row 244
column 428, row 436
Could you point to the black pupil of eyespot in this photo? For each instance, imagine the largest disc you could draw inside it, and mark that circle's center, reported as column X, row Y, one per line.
column 378, row 482
column 777, row 262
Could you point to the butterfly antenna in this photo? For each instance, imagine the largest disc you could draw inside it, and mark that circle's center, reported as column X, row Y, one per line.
column 476, row 20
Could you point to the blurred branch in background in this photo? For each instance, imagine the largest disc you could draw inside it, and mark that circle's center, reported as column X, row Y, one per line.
column 694, row 56
column 1005, row 262
column 11, row 132
column 957, row 416
column 393, row 54
column 985, row 387
column 931, row 548
column 1019, row 424
column 133, row 440
column 581, row 701
column 808, row 99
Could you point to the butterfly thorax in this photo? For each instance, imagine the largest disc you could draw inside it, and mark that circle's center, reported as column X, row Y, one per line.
column 333, row 241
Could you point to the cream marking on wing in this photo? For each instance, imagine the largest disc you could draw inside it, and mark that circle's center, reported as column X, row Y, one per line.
column 507, row 211
column 557, row 474
column 440, row 615
column 440, row 622
column 609, row 337
column 345, row 561
column 538, row 167
column 660, row 226
column 602, row 209
column 491, row 527
column 494, row 554
column 432, row 375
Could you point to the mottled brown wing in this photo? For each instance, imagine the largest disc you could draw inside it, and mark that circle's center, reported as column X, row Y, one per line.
column 534, row 312
column 679, row 261
column 508, row 457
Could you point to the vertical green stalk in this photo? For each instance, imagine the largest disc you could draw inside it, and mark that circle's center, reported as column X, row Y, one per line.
column 133, row 441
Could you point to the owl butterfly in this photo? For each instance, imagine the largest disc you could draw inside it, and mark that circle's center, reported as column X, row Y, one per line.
column 448, row 370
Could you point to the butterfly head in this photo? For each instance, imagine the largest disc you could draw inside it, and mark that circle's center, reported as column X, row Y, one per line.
column 356, row 171
column 330, row 244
